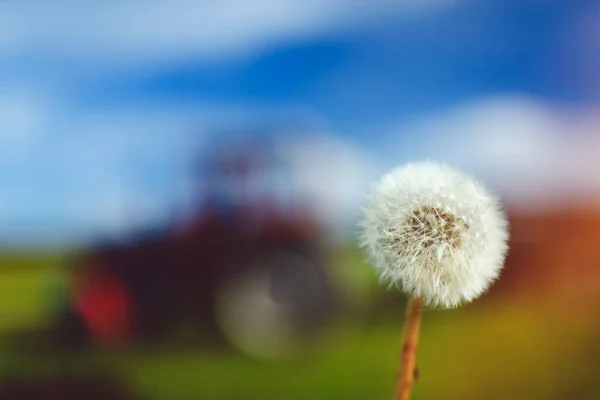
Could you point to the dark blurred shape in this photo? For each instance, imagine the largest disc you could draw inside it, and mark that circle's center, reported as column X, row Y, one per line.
column 247, row 225
column 65, row 387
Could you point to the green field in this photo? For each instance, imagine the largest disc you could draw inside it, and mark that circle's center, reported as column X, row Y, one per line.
column 493, row 352
column 25, row 282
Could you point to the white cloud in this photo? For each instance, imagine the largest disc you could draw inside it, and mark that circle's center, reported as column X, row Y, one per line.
column 535, row 151
column 332, row 174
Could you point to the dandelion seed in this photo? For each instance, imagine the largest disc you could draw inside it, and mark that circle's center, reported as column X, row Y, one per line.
column 434, row 232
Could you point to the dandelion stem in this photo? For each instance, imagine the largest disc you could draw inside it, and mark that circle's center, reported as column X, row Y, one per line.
column 408, row 353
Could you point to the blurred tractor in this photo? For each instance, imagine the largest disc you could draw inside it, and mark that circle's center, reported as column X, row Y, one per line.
column 247, row 266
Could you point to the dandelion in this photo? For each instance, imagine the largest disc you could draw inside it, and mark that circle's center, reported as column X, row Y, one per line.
column 439, row 236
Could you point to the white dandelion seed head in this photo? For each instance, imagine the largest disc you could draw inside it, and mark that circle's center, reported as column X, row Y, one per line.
column 434, row 232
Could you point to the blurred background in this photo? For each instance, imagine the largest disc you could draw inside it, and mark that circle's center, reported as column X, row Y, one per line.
column 180, row 184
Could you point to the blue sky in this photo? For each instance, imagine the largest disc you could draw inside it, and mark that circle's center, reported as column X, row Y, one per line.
column 394, row 66
column 102, row 104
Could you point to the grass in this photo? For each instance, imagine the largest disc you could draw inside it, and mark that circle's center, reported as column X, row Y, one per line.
column 25, row 282
column 469, row 357
column 496, row 351
column 340, row 370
